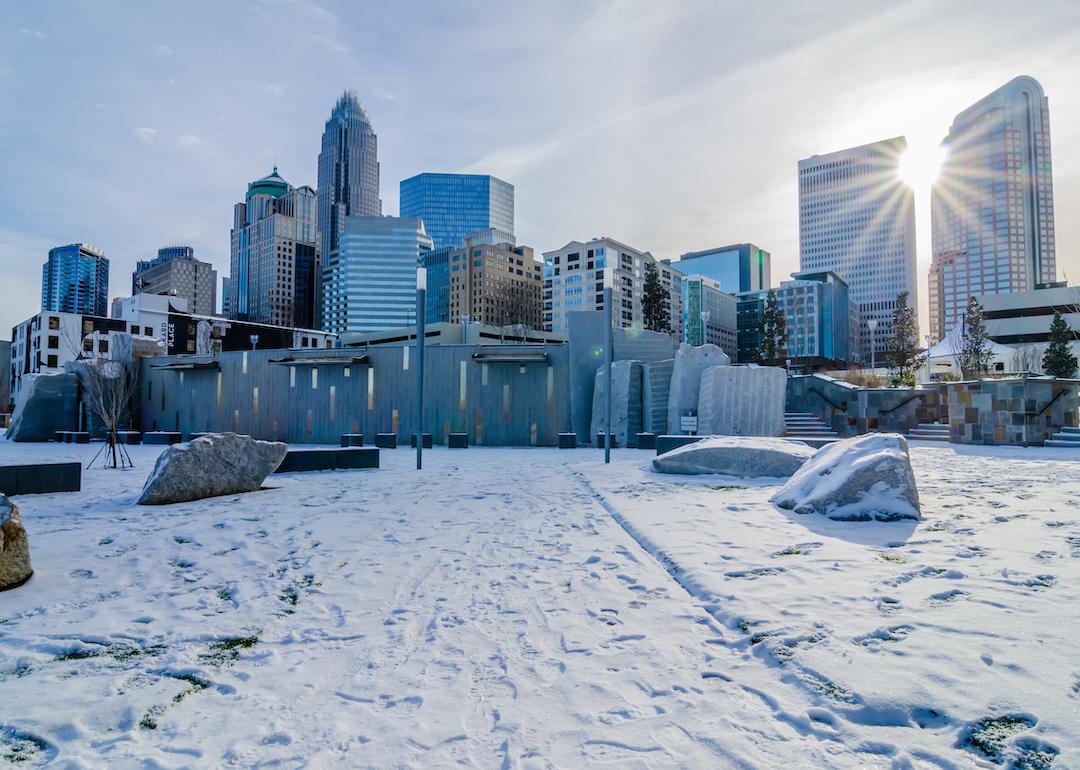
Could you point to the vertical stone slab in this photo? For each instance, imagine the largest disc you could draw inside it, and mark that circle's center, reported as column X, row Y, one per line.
column 626, row 402
column 690, row 362
column 655, row 390
column 742, row 401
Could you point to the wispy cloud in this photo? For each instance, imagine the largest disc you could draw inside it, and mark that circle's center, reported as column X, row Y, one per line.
column 191, row 142
column 32, row 33
column 146, row 134
column 163, row 49
column 274, row 88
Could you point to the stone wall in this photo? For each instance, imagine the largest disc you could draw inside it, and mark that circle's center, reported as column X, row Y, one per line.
column 1016, row 411
column 655, row 390
column 741, row 401
column 625, row 406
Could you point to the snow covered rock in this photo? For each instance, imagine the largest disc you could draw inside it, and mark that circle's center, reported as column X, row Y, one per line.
column 736, row 456
column 218, row 464
column 690, row 362
column 45, row 404
column 742, row 401
column 15, row 566
column 626, row 402
column 858, row 479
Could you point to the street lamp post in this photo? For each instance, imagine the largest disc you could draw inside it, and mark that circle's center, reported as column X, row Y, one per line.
column 929, row 339
column 421, row 323
column 872, row 325
column 254, row 340
column 609, row 357
column 705, row 326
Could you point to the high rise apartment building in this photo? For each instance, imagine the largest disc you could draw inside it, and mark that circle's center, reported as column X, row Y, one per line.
column 496, row 284
column 993, row 205
column 175, row 271
column 454, row 206
column 75, row 279
column 369, row 280
column 574, row 278
column 857, row 219
column 274, row 253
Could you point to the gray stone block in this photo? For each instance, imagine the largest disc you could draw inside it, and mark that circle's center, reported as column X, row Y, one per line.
column 742, row 401
column 626, row 406
column 655, row 390
column 46, row 404
column 689, row 364
column 736, row 456
column 218, row 464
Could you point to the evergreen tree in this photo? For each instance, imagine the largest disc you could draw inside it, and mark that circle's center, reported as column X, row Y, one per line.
column 773, row 331
column 654, row 302
column 975, row 355
column 903, row 344
column 1058, row 360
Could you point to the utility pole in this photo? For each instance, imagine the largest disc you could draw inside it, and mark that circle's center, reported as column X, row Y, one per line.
column 609, row 358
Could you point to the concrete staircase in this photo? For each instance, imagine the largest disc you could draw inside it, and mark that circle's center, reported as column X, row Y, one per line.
column 1068, row 437
column 929, row 431
column 807, row 427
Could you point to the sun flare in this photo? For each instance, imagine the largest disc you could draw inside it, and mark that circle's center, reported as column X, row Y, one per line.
column 920, row 165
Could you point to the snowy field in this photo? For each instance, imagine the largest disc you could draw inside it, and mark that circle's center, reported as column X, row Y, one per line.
column 531, row 608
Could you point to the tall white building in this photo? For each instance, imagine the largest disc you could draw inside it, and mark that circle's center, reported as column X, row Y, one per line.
column 857, row 219
column 993, row 205
column 574, row 280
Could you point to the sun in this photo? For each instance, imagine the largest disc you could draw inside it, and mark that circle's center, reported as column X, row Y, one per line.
column 920, row 165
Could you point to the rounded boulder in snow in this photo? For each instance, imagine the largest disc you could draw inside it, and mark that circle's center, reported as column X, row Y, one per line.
column 15, row 566
column 736, row 456
column 217, row 464
column 859, row 479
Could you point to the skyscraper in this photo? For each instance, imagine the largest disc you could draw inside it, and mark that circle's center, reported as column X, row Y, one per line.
column 993, row 204
column 370, row 278
column 175, row 269
column 857, row 219
column 273, row 255
column 348, row 177
column 739, row 267
column 75, row 279
column 456, row 205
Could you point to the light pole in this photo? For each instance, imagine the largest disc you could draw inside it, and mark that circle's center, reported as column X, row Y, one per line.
column 609, row 357
column 705, row 326
column 465, row 318
column 872, row 325
column 421, row 323
column 929, row 339
column 254, row 339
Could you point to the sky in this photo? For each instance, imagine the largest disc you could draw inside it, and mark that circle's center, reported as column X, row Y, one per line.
column 671, row 126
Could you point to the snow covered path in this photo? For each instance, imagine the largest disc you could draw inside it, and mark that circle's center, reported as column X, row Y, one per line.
column 518, row 608
column 487, row 613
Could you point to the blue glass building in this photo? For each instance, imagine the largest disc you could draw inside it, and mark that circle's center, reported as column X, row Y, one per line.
column 455, row 205
column 76, row 280
column 369, row 280
column 739, row 267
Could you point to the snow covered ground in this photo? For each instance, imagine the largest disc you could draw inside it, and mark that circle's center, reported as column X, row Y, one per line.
column 531, row 608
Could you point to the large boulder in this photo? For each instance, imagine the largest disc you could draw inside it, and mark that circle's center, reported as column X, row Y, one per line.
column 742, row 401
column 626, row 402
column 859, row 479
column 690, row 362
column 46, row 403
column 736, row 456
column 15, row 566
column 217, row 464
column 655, row 389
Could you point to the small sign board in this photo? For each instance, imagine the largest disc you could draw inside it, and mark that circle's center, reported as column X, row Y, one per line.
column 688, row 423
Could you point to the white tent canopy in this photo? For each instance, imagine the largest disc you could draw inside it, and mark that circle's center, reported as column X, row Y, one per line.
column 944, row 357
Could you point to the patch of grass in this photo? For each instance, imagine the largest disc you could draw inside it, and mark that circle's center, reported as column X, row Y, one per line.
column 197, row 685
column 149, row 720
column 290, row 595
column 227, row 651
column 105, row 541
column 990, row 735
column 181, row 540
column 76, row 655
column 18, row 748
column 181, row 563
column 722, row 487
column 225, row 594
column 890, row 557
column 791, row 550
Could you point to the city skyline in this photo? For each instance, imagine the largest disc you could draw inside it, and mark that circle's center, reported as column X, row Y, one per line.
column 189, row 140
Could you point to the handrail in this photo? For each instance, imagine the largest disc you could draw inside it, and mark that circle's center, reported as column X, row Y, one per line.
column 827, row 400
column 906, row 401
column 1060, row 393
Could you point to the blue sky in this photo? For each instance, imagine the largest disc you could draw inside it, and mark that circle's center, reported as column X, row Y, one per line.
column 671, row 126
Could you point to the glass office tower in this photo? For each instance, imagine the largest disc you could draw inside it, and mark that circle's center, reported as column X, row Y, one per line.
column 739, row 267
column 370, row 279
column 348, row 177
column 455, row 205
column 75, row 279
column 993, row 205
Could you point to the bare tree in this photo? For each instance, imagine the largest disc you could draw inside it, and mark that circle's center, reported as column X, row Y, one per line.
column 1027, row 358
column 111, row 388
